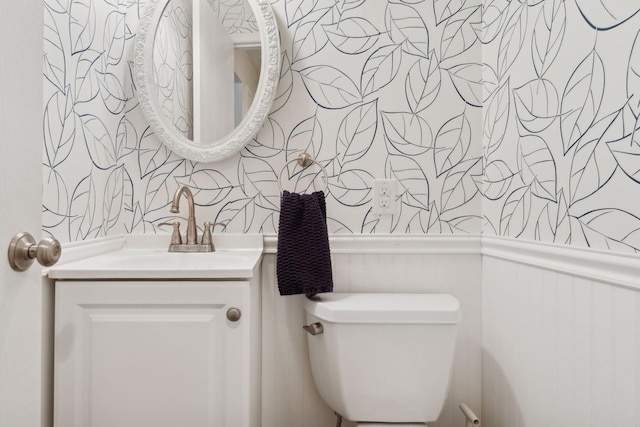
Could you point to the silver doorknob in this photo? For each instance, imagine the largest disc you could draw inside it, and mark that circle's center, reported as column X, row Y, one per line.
column 234, row 314
column 23, row 250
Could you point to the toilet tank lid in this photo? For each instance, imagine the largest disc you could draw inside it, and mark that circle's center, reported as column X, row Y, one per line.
column 384, row 308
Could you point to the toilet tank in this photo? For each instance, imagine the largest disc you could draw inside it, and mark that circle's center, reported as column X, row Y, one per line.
column 383, row 357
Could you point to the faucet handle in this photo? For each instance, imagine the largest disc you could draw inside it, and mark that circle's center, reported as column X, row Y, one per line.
column 206, row 236
column 224, row 225
column 176, row 237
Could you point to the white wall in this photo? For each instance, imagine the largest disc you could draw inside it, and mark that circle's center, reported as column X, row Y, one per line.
column 361, row 264
column 561, row 336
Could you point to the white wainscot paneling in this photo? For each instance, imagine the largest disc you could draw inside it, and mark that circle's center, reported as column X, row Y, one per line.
column 370, row 264
column 559, row 348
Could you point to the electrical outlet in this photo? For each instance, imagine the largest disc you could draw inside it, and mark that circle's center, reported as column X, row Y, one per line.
column 384, row 196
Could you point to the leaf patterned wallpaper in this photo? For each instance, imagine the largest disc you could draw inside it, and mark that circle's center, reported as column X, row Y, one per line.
column 173, row 66
column 391, row 91
column 562, row 91
column 423, row 91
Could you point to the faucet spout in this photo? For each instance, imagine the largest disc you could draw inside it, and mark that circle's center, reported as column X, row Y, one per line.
column 192, row 232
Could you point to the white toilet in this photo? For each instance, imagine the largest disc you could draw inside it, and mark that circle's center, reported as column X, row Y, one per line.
column 383, row 358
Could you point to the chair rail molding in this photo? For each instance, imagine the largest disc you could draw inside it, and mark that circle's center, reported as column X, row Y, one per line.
column 610, row 267
column 394, row 244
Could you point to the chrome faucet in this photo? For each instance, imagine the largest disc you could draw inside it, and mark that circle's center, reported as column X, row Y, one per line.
column 192, row 232
column 191, row 245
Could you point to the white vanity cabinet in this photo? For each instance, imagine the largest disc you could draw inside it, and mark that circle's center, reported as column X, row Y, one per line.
column 144, row 352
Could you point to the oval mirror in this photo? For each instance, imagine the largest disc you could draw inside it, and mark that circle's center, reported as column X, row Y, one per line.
column 206, row 73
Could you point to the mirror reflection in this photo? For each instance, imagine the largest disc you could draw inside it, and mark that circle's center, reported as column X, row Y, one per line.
column 206, row 66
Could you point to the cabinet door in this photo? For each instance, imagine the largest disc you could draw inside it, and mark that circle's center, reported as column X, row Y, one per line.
column 150, row 354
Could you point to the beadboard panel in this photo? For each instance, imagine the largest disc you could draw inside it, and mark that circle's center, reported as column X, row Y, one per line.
column 289, row 397
column 559, row 349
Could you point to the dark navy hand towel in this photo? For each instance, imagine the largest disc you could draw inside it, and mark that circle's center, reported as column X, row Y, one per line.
column 304, row 259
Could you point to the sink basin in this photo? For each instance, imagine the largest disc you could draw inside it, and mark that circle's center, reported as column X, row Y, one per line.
column 140, row 262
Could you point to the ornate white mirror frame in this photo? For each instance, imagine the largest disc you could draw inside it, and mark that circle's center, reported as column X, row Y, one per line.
column 257, row 113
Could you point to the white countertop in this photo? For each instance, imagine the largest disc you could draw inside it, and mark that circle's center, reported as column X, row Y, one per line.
column 145, row 257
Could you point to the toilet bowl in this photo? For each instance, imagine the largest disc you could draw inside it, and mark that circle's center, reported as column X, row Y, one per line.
column 383, row 358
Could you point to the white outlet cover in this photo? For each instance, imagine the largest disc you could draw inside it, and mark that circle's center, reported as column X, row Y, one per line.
column 384, row 196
